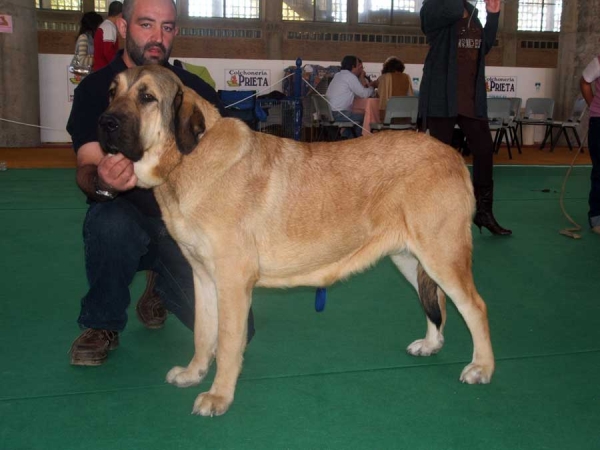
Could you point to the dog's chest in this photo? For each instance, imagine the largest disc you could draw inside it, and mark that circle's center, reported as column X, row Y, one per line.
column 186, row 230
column 192, row 239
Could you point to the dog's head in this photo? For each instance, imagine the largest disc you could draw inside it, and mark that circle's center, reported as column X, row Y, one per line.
column 153, row 120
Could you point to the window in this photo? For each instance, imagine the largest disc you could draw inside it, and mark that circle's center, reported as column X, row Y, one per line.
column 100, row 6
column 61, row 5
column 386, row 12
column 389, row 12
column 539, row 15
column 71, row 5
column 315, row 10
column 230, row 9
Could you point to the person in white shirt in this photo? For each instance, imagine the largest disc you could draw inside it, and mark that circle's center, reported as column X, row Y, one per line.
column 348, row 83
column 590, row 90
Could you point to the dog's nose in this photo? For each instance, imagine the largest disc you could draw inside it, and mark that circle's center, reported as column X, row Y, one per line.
column 109, row 123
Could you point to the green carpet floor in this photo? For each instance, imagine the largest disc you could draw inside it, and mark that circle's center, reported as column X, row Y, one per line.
column 334, row 380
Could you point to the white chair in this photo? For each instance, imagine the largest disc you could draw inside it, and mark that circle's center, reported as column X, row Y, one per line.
column 572, row 123
column 404, row 110
column 327, row 121
column 543, row 108
column 499, row 116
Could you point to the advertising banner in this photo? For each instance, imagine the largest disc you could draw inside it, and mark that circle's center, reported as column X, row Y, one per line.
column 254, row 79
column 6, row 25
column 498, row 86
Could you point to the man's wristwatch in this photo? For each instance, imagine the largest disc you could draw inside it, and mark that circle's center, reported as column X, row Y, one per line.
column 107, row 194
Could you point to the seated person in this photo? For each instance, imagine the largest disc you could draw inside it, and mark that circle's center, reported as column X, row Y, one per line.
column 393, row 82
column 345, row 85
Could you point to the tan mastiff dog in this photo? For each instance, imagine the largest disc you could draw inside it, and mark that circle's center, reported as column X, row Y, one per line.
column 250, row 209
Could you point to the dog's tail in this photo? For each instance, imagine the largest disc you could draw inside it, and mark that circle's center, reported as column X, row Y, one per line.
column 428, row 294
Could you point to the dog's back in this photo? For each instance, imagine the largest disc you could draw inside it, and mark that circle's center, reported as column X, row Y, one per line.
column 318, row 212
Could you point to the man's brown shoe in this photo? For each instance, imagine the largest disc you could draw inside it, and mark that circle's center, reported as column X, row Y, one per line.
column 92, row 346
column 150, row 309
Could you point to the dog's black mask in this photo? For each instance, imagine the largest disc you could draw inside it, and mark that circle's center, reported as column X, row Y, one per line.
column 118, row 133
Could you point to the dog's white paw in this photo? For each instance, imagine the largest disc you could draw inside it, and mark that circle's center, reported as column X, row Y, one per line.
column 423, row 347
column 477, row 374
column 184, row 377
column 208, row 404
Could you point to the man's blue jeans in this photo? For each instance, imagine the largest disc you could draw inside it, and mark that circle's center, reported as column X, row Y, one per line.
column 119, row 241
column 354, row 117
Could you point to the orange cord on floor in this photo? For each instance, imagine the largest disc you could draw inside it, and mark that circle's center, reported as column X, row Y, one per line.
column 570, row 232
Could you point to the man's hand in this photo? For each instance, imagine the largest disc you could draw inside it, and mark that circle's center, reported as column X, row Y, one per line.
column 363, row 78
column 492, row 6
column 115, row 173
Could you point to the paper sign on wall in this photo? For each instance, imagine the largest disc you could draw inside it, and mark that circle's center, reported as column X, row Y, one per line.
column 73, row 81
column 501, row 86
column 373, row 75
column 6, row 25
column 247, row 78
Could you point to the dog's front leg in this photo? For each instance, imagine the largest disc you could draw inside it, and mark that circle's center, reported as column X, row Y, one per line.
column 205, row 331
column 234, row 297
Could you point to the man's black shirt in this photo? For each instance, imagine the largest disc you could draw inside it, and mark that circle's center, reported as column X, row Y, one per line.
column 91, row 99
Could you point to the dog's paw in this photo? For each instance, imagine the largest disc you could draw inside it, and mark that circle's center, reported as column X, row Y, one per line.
column 184, row 377
column 208, row 404
column 423, row 347
column 477, row 374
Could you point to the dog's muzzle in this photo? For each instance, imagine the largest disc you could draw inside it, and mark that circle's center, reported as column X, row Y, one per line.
column 109, row 130
column 118, row 133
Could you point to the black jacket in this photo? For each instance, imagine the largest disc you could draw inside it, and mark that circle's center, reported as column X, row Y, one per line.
column 438, row 92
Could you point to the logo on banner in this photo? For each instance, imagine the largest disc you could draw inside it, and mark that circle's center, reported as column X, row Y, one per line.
column 501, row 86
column 73, row 81
column 241, row 78
column 6, row 24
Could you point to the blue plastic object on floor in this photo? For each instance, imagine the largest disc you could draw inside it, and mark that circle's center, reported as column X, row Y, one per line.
column 320, row 299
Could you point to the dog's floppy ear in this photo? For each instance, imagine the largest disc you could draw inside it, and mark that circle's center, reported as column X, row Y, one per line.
column 188, row 123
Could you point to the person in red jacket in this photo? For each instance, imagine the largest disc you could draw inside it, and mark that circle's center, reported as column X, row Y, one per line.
column 106, row 42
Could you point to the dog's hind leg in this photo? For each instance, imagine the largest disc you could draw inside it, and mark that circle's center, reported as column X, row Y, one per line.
column 447, row 259
column 205, row 331
column 433, row 300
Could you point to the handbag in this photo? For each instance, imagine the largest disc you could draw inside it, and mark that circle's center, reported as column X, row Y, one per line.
column 82, row 61
column 81, row 65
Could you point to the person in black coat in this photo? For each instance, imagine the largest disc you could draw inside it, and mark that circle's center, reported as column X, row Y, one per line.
column 453, row 89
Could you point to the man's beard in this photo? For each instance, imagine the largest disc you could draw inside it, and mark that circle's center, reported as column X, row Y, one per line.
column 136, row 53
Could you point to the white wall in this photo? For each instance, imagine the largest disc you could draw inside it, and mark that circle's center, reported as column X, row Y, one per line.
column 55, row 84
column 54, row 103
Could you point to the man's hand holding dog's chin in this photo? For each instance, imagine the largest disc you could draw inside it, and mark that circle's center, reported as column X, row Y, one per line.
column 115, row 172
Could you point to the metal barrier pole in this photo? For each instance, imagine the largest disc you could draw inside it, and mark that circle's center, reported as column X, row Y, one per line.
column 298, row 100
column 321, row 293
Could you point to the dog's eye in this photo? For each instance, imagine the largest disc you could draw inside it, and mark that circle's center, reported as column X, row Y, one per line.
column 111, row 94
column 147, row 98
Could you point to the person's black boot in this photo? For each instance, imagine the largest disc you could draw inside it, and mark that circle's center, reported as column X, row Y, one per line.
column 484, row 217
